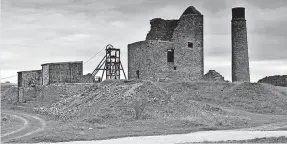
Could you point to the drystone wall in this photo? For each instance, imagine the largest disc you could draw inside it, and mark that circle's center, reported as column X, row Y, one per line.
column 161, row 29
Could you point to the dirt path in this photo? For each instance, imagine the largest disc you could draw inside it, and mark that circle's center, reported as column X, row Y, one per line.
column 31, row 124
column 7, row 130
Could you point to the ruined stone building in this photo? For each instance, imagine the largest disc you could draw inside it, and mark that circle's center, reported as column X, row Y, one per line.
column 173, row 49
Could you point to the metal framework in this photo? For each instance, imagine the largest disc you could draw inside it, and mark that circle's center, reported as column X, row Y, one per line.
column 110, row 64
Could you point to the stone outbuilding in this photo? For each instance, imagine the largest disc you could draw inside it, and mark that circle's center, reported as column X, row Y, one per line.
column 62, row 72
column 31, row 82
column 29, row 78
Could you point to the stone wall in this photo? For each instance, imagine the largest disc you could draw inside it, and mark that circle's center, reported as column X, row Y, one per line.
column 135, row 58
column 88, row 78
column 76, row 71
column 190, row 58
column 66, row 72
column 29, row 78
column 59, row 73
column 20, row 94
column 161, row 29
column 45, row 74
column 150, row 58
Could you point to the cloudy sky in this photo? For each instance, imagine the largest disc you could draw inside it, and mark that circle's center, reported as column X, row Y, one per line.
column 40, row 31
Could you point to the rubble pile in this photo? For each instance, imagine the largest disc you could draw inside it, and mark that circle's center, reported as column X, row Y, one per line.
column 109, row 100
column 212, row 75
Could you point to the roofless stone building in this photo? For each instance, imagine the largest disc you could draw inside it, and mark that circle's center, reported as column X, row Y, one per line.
column 173, row 49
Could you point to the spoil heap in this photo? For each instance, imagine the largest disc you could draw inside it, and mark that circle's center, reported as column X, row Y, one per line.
column 252, row 97
column 122, row 101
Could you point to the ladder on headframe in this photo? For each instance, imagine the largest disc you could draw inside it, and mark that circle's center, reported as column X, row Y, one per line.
column 110, row 64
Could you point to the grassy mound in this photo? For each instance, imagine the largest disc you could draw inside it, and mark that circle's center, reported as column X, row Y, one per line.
column 252, row 97
column 277, row 80
column 256, row 97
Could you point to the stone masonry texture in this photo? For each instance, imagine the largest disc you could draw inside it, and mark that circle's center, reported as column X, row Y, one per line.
column 64, row 72
column 29, row 78
column 240, row 59
column 161, row 29
column 150, row 56
column 45, row 74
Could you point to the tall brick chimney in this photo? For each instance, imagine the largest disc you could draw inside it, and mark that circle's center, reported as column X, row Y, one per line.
column 240, row 59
